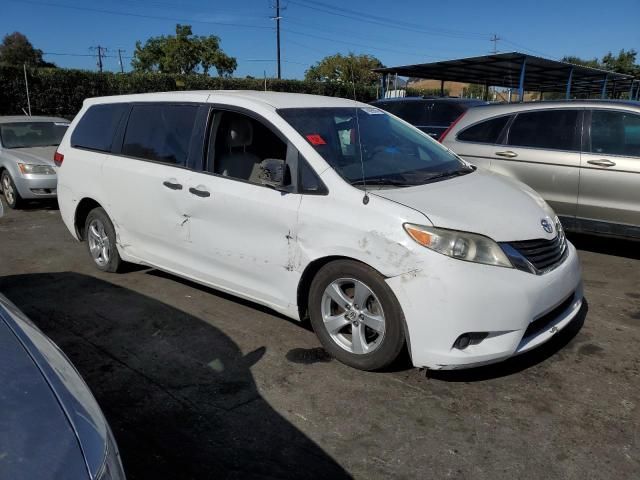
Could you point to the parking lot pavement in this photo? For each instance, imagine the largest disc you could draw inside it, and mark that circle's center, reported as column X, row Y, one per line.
column 197, row 384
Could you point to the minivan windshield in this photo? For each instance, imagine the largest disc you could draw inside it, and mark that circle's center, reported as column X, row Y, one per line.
column 32, row 134
column 365, row 145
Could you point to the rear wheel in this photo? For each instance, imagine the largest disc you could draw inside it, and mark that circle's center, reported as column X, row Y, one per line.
column 356, row 315
column 101, row 241
column 11, row 195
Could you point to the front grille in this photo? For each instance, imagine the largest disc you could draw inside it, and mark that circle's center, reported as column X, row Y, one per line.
column 542, row 254
column 541, row 323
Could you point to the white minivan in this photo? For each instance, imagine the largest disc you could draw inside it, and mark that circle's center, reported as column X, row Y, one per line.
column 323, row 208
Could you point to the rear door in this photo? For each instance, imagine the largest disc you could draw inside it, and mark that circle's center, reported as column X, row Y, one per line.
column 610, row 172
column 147, row 178
column 479, row 142
column 542, row 149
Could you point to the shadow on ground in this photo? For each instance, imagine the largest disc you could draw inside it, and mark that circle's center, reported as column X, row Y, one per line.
column 606, row 245
column 520, row 362
column 178, row 393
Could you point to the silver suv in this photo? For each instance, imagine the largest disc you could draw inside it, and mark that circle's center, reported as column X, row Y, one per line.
column 583, row 157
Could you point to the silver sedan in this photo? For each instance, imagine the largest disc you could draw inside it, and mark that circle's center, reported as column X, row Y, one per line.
column 27, row 147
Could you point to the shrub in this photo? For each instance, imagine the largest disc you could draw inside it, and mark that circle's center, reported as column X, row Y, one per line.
column 60, row 92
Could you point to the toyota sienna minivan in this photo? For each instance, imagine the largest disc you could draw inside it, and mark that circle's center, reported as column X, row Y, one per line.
column 323, row 208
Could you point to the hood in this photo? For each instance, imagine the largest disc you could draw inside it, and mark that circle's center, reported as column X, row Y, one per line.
column 36, row 439
column 58, row 394
column 33, row 155
column 480, row 202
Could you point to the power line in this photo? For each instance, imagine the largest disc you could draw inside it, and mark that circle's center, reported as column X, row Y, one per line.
column 381, row 21
column 310, row 35
column 139, row 15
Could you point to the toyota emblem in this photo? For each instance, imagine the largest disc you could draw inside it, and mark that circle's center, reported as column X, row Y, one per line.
column 546, row 225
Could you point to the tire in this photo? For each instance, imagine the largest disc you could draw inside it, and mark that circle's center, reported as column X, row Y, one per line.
column 11, row 195
column 334, row 314
column 100, row 237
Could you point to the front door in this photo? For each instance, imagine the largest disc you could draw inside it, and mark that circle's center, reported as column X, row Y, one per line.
column 242, row 233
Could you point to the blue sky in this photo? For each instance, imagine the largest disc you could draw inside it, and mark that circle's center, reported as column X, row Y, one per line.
column 416, row 31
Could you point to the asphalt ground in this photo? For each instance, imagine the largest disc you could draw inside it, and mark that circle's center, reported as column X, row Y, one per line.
column 198, row 384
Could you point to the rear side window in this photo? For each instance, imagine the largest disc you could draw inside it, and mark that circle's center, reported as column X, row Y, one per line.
column 413, row 112
column 551, row 129
column 161, row 133
column 484, row 132
column 615, row 133
column 98, row 126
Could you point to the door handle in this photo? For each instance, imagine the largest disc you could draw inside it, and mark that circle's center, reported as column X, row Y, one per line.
column 199, row 193
column 172, row 185
column 507, row 154
column 602, row 163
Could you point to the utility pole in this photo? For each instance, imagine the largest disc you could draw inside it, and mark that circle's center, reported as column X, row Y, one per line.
column 101, row 52
column 277, row 19
column 120, row 51
column 495, row 39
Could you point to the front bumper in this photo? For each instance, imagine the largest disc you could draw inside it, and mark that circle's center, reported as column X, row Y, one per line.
column 36, row 186
column 450, row 298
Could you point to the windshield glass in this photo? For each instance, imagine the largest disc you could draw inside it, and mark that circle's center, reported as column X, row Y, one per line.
column 393, row 153
column 32, row 134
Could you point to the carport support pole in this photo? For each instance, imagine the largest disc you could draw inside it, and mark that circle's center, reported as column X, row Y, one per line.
column 603, row 95
column 522, row 73
column 383, row 90
column 568, row 96
column 631, row 91
column 442, row 88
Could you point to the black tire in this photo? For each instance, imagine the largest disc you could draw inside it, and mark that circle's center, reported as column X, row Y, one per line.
column 393, row 339
column 13, row 199
column 113, row 262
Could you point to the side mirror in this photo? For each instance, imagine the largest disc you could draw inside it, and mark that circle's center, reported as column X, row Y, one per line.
column 272, row 172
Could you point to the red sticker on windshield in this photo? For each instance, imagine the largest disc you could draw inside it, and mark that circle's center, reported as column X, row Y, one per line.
column 316, row 139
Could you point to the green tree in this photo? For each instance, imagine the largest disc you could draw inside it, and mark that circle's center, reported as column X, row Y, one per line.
column 345, row 69
column 16, row 49
column 182, row 53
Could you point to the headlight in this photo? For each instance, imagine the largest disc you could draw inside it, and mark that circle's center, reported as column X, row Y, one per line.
column 112, row 467
column 27, row 168
column 461, row 245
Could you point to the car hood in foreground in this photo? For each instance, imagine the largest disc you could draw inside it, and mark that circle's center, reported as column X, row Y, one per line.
column 33, row 155
column 54, row 427
column 479, row 202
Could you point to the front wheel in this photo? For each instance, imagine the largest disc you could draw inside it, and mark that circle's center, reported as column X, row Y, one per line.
column 355, row 315
column 101, row 241
column 11, row 195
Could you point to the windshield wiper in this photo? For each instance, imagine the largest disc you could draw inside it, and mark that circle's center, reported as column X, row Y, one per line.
column 449, row 173
column 382, row 181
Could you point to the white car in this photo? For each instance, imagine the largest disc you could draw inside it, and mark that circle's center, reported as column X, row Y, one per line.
column 326, row 208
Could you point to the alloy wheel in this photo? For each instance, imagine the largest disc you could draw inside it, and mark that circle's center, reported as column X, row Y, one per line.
column 353, row 316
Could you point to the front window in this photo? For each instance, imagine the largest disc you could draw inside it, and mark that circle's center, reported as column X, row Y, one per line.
column 32, row 134
column 367, row 146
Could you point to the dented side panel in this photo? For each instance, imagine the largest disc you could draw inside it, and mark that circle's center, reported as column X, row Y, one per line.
column 342, row 225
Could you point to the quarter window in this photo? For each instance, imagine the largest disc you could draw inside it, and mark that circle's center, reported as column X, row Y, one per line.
column 160, row 132
column 550, row 129
column 615, row 133
column 484, row 132
column 98, row 126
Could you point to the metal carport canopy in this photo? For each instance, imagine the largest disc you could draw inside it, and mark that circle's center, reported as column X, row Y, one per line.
column 519, row 71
